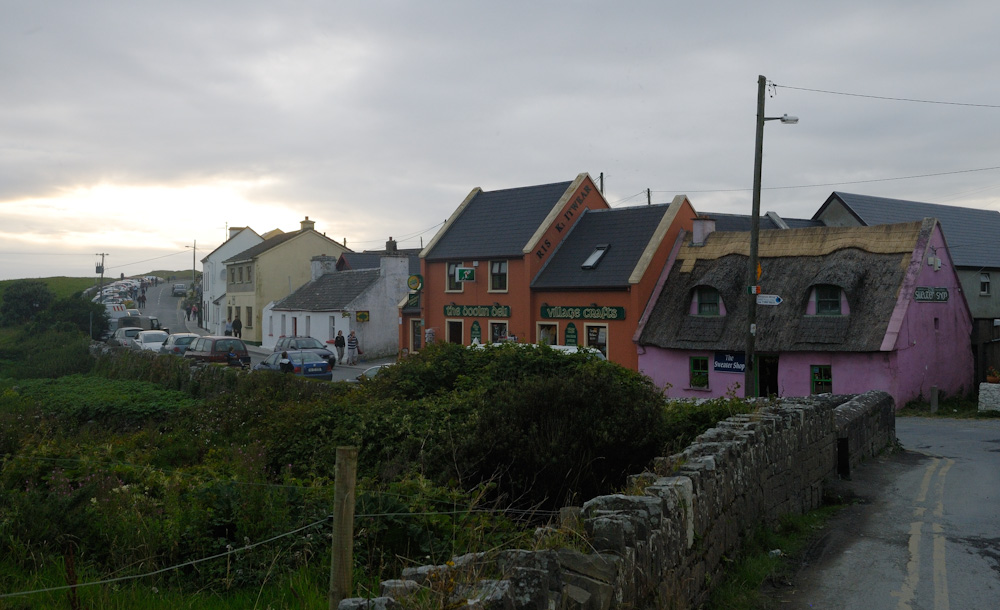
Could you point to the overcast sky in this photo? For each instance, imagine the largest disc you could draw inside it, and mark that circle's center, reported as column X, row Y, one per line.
column 139, row 129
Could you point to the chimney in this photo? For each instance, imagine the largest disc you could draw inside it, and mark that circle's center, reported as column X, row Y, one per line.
column 321, row 265
column 702, row 227
column 234, row 231
column 307, row 224
column 390, row 246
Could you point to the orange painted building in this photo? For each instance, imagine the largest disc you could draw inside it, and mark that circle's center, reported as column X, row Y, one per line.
column 542, row 264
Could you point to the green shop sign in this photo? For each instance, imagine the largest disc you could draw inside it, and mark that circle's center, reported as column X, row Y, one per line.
column 477, row 311
column 476, row 333
column 592, row 312
column 570, row 337
column 930, row 294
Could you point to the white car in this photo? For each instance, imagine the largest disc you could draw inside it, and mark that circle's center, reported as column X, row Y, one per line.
column 148, row 340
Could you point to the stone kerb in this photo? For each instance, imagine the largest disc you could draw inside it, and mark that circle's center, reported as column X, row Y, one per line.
column 663, row 548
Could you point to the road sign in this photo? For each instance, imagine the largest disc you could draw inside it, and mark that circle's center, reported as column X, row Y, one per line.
column 465, row 274
column 768, row 299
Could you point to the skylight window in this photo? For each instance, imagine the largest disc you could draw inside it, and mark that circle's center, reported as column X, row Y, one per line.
column 595, row 257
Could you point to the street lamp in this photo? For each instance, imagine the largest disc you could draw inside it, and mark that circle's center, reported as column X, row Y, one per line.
column 750, row 369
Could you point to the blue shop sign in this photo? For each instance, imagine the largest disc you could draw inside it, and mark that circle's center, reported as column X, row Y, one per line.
column 729, row 362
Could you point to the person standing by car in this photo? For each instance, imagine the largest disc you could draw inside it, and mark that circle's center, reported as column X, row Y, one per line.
column 286, row 364
column 353, row 348
column 237, row 327
column 340, row 344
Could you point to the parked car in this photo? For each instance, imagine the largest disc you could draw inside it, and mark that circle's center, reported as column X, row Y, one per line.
column 148, row 340
column 213, row 348
column 178, row 343
column 143, row 322
column 306, row 364
column 299, row 344
column 123, row 336
column 369, row 373
column 179, row 290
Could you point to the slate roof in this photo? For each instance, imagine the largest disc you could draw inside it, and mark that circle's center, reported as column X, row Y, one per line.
column 329, row 292
column 262, row 247
column 971, row 233
column 868, row 263
column 741, row 222
column 371, row 260
column 498, row 224
column 627, row 231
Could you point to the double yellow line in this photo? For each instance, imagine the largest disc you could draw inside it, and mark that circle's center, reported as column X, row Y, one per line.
column 934, row 477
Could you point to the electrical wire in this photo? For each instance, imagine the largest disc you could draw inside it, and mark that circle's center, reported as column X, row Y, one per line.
column 886, row 98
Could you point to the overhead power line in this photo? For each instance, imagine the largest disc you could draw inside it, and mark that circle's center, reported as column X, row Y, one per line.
column 887, row 98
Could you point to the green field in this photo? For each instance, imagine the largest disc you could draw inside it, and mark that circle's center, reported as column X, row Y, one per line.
column 68, row 286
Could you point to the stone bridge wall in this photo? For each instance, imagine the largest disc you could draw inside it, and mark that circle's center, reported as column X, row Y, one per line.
column 665, row 548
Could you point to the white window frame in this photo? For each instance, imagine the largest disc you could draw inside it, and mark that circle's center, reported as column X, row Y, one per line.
column 984, row 284
column 506, row 276
column 449, row 277
column 538, row 331
column 447, row 330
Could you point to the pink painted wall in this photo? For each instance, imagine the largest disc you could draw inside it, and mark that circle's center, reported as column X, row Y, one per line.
column 927, row 344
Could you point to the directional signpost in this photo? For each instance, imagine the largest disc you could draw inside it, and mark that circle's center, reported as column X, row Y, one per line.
column 768, row 299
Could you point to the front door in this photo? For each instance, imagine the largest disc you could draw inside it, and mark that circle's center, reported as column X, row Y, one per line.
column 767, row 375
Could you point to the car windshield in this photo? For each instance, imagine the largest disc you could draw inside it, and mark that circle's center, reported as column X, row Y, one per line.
column 309, row 343
column 306, row 357
column 183, row 340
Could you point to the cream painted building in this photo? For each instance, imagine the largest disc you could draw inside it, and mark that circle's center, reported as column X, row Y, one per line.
column 270, row 271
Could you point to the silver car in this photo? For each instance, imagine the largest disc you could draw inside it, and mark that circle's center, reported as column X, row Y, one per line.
column 178, row 343
column 148, row 340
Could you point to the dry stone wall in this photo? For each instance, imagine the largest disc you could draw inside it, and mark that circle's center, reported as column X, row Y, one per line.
column 665, row 548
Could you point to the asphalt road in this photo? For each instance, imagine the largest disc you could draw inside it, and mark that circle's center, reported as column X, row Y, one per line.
column 923, row 533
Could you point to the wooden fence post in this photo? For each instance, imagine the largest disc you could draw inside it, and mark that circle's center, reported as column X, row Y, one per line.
column 342, row 550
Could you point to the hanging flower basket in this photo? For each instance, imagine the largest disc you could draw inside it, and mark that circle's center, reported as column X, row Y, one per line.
column 992, row 375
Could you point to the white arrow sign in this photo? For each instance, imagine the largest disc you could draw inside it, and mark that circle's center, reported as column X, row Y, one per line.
column 768, row 299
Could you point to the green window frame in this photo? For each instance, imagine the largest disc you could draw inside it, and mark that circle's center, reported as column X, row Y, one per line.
column 821, row 379
column 827, row 300
column 698, row 377
column 708, row 301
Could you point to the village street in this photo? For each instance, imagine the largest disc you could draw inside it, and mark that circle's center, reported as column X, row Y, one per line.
column 924, row 532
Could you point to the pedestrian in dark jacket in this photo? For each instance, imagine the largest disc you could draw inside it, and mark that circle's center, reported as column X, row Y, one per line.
column 237, row 327
column 340, row 344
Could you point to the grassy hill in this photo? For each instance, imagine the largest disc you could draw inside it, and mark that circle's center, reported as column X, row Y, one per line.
column 68, row 286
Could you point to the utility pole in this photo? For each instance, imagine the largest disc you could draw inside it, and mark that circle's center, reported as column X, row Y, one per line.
column 100, row 269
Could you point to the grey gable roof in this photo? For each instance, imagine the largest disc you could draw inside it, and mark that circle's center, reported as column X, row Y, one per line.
column 627, row 232
column 370, row 260
column 498, row 223
column 971, row 233
column 868, row 263
column 741, row 222
column 329, row 292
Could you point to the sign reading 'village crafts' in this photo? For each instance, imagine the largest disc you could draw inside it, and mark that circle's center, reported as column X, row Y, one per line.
column 558, row 312
column 929, row 294
column 477, row 311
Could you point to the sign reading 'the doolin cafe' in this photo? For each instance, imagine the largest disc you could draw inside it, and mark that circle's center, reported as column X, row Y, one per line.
column 477, row 311
column 593, row 312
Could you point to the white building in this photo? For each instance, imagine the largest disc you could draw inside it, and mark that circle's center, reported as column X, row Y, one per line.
column 362, row 300
column 213, row 277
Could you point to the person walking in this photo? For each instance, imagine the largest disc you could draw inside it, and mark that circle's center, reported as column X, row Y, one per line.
column 352, row 349
column 188, row 310
column 340, row 344
column 237, row 327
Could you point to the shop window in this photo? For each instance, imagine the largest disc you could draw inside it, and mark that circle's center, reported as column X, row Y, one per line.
column 453, row 284
column 708, row 301
column 821, row 378
column 698, row 372
column 827, row 301
column 498, row 276
column 984, row 284
column 548, row 334
column 597, row 337
column 498, row 332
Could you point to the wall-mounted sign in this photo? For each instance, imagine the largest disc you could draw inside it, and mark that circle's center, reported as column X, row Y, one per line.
column 413, row 300
column 729, row 362
column 477, row 311
column 361, row 316
column 415, row 282
column 593, row 312
column 930, row 294
column 570, row 336
column 476, row 332
column 465, row 274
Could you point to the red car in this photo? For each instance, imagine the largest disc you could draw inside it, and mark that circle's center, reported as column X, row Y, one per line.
column 211, row 348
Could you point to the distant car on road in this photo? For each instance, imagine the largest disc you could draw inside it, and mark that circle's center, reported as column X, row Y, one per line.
column 149, row 340
column 179, row 290
column 299, row 344
column 307, row 364
column 369, row 373
column 178, row 343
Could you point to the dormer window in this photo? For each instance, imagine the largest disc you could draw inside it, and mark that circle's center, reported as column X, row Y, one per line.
column 828, row 301
column 708, row 301
column 595, row 257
